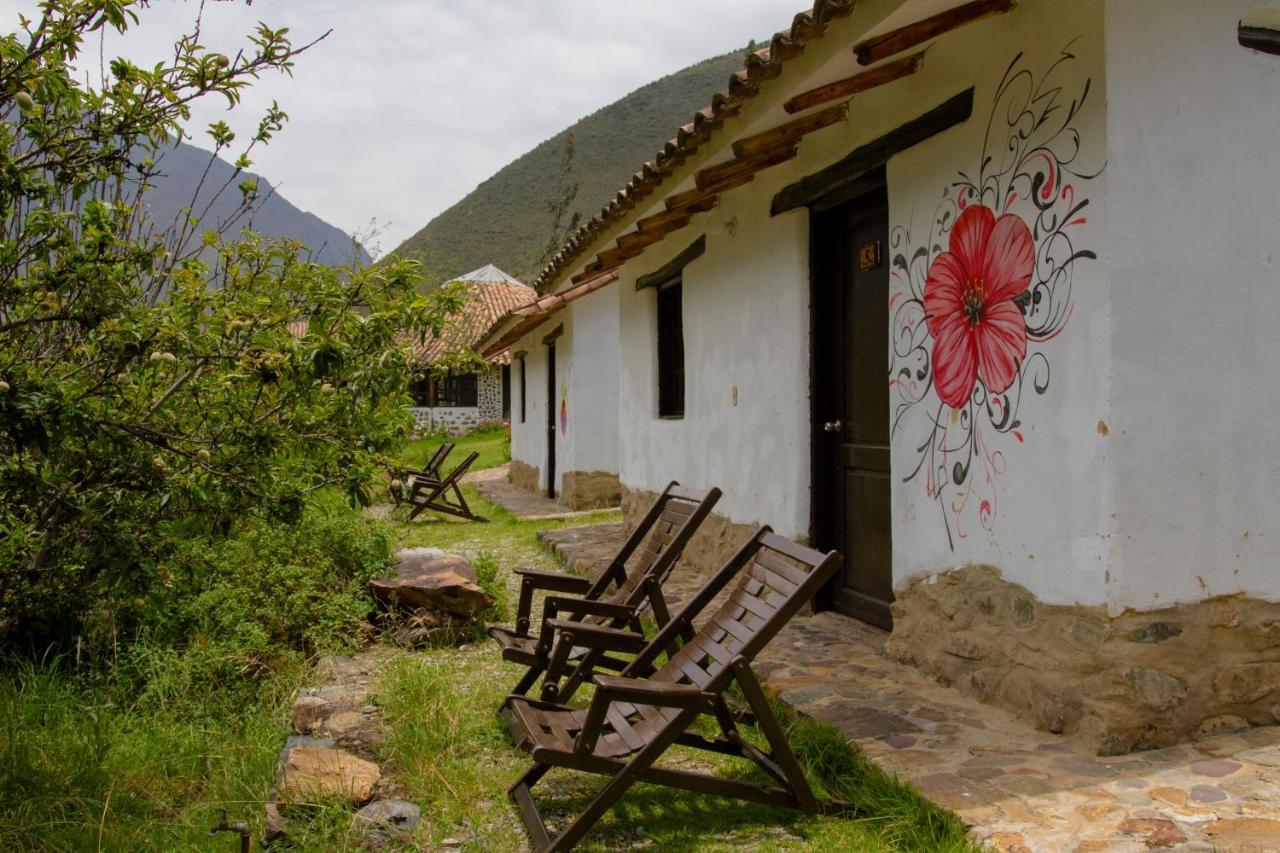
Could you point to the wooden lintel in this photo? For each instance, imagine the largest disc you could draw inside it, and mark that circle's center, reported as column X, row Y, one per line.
column 668, row 270
column 692, row 197
column 792, row 131
column 1265, row 39
column 662, row 220
column 641, row 239
column 845, row 172
column 590, row 274
column 744, row 166
column 849, row 86
column 904, row 38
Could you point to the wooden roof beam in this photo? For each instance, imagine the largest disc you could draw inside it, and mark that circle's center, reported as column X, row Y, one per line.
column 862, row 82
column 664, row 219
column 904, row 38
column 742, row 166
column 790, row 132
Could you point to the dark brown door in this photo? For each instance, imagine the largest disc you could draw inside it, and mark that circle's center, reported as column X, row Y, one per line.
column 851, row 402
column 551, row 420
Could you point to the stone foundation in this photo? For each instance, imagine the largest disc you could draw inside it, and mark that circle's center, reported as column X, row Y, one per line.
column 1115, row 684
column 716, row 540
column 523, row 475
column 590, row 490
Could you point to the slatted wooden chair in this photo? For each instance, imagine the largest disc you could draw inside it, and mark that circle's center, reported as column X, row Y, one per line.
column 429, row 475
column 615, row 600
column 444, row 495
column 632, row 720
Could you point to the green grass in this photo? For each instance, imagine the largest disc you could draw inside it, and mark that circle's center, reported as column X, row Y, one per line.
column 79, row 770
column 493, row 443
column 447, row 747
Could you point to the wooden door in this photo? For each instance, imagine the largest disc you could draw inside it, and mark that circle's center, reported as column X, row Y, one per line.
column 851, row 403
column 551, row 420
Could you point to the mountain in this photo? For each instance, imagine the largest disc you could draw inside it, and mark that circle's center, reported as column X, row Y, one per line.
column 182, row 167
column 505, row 220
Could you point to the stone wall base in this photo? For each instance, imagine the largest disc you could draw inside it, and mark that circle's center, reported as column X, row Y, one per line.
column 716, row 540
column 524, row 475
column 1141, row 680
column 590, row 490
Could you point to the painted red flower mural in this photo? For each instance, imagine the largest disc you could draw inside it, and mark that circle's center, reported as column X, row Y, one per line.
column 978, row 330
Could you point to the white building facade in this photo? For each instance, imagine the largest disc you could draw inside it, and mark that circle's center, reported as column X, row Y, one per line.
column 997, row 334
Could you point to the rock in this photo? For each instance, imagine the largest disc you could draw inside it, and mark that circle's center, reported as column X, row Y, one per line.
column 314, row 705
column 311, row 772
column 434, row 581
column 1156, row 632
column 1207, row 794
column 1250, row 833
column 1156, row 832
column 1008, row 842
column 1275, row 712
column 1246, row 682
column 1225, row 724
column 276, row 828
column 387, row 822
column 1156, row 689
column 1215, row 767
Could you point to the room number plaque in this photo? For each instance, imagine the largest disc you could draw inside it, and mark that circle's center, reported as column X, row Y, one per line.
column 869, row 256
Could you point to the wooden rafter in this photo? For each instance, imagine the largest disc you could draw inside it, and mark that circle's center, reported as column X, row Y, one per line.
column 904, row 38
column 849, row 86
column 790, row 132
column 659, row 221
column 741, row 166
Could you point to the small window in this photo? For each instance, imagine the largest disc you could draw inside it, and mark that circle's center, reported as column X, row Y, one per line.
column 506, row 392
column 455, row 391
column 671, row 349
column 420, row 391
column 523, row 387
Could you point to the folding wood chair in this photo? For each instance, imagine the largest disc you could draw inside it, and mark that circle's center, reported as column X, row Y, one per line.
column 615, row 600
column 430, row 473
column 633, row 720
column 444, row 495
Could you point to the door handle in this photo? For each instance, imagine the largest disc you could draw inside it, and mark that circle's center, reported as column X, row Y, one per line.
column 832, row 426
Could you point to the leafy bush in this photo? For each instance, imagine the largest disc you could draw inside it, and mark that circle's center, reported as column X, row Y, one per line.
column 152, row 373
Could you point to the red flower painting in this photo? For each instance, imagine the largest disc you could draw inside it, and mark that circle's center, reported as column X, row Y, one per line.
column 978, row 329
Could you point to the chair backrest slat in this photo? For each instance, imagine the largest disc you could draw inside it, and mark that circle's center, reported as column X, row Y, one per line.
column 773, row 582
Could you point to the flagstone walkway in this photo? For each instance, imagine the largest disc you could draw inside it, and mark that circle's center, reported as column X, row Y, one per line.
column 1020, row 789
column 525, row 505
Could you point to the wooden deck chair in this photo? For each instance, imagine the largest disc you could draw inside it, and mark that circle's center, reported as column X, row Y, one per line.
column 444, row 495
column 429, row 475
column 615, row 600
column 632, row 720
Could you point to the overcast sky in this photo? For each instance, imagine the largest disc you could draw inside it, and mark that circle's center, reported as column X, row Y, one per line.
column 411, row 103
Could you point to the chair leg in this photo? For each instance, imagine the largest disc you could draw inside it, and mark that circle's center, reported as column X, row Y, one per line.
column 778, row 743
column 526, row 681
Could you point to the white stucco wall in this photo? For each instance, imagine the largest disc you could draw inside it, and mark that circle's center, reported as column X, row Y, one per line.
column 1195, row 271
column 587, row 384
column 746, row 332
column 1043, row 514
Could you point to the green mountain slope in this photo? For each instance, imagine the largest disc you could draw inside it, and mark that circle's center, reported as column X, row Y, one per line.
column 505, row 220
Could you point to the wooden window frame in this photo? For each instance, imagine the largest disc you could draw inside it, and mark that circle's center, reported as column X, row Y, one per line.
column 670, row 340
column 524, row 388
column 451, row 392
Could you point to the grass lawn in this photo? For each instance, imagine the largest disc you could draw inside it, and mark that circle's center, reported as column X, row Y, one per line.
column 448, row 748
column 493, row 443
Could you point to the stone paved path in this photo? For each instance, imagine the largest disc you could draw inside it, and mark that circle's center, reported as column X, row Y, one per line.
column 493, row 484
column 1019, row 788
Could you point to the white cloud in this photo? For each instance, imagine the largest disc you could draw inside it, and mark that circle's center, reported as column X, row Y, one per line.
column 409, row 104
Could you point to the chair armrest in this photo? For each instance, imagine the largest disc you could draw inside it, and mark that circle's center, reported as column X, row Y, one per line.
column 641, row 691
column 610, row 689
column 554, row 581
column 554, row 605
column 531, row 579
column 596, row 636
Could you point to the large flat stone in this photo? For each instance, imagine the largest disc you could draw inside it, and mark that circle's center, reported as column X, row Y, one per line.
column 311, row 773
column 427, row 578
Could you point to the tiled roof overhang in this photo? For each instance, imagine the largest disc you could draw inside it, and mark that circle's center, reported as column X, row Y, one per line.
column 764, row 64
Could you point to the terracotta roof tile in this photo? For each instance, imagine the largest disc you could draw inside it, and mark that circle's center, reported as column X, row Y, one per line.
column 762, row 65
column 484, row 303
